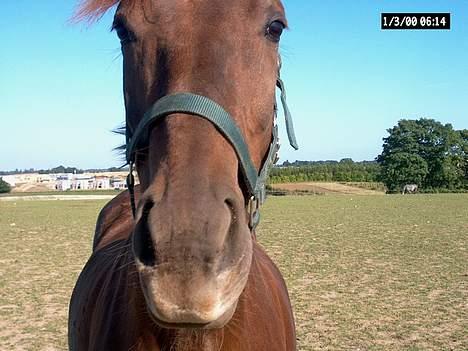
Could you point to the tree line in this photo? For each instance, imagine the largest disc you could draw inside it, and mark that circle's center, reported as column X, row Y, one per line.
column 422, row 152
column 345, row 170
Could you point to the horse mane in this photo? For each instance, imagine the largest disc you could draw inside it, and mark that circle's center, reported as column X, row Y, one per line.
column 92, row 10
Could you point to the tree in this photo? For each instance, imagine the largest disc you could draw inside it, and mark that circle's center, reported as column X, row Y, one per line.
column 424, row 152
column 403, row 168
column 4, row 186
column 463, row 160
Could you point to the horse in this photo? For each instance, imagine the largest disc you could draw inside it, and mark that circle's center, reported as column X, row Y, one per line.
column 175, row 262
column 409, row 189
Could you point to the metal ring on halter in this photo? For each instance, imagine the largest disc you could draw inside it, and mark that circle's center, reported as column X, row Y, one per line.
column 131, row 188
column 254, row 212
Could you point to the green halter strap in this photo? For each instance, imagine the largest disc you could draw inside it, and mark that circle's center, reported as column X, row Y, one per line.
column 191, row 104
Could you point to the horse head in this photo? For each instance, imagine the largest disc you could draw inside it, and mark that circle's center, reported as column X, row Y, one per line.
column 193, row 237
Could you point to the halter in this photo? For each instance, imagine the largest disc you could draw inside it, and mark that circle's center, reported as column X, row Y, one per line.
column 192, row 104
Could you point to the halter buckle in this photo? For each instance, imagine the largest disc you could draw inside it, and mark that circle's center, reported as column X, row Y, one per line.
column 254, row 213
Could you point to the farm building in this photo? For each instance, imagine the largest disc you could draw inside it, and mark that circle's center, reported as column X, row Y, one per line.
column 72, row 181
column 119, row 185
column 89, row 182
column 81, row 182
column 66, row 181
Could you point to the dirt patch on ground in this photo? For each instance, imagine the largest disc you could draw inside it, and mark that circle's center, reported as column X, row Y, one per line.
column 322, row 188
column 28, row 187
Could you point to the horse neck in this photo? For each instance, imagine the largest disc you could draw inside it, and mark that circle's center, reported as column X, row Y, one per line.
column 190, row 339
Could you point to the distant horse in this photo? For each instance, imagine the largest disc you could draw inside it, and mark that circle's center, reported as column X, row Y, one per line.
column 409, row 189
column 175, row 264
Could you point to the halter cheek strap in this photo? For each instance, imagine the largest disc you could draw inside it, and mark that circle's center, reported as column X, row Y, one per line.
column 191, row 104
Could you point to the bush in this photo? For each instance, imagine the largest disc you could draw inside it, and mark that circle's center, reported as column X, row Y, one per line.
column 328, row 171
column 4, row 186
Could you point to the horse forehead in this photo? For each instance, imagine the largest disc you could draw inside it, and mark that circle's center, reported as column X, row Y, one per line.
column 188, row 5
column 217, row 2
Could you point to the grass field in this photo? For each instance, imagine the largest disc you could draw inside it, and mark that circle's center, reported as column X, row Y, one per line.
column 364, row 272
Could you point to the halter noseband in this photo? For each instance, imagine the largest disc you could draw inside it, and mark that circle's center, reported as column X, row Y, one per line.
column 192, row 104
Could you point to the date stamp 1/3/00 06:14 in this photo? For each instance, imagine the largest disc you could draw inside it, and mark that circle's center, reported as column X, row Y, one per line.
column 432, row 21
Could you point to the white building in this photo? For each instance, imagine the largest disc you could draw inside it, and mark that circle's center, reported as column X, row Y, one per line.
column 66, row 181
column 62, row 183
column 119, row 185
column 83, row 182
column 102, row 182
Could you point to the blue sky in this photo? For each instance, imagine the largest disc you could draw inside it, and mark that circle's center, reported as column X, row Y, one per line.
column 347, row 81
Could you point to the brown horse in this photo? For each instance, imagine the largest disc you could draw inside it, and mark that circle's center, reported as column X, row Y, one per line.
column 185, row 272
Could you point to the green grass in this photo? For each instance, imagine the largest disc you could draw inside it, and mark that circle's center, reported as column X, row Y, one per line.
column 364, row 272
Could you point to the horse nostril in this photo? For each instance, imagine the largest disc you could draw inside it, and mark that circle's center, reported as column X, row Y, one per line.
column 231, row 207
column 143, row 246
column 235, row 215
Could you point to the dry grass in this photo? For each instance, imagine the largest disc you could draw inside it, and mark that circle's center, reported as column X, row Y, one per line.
column 323, row 188
column 364, row 272
column 44, row 247
column 373, row 272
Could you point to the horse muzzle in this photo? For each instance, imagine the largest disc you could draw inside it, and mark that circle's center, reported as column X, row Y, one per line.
column 192, row 266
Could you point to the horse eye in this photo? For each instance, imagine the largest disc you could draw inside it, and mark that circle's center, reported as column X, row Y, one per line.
column 123, row 33
column 274, row 30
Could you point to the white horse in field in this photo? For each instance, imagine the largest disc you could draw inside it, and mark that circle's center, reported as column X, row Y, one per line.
column 409, row 189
